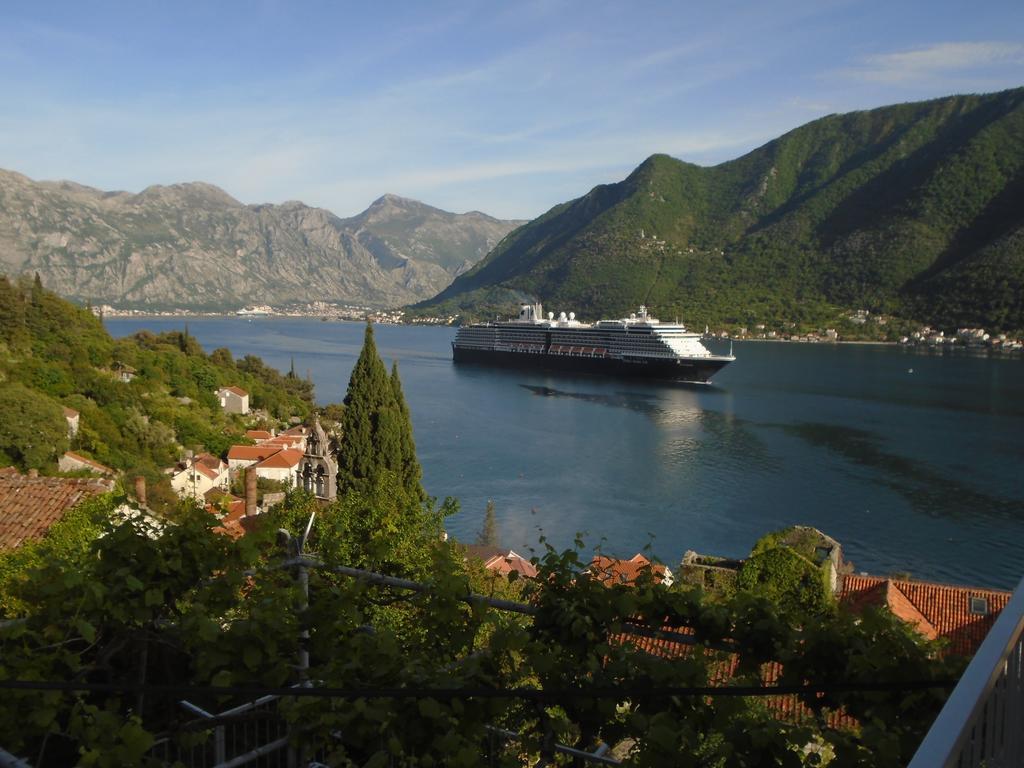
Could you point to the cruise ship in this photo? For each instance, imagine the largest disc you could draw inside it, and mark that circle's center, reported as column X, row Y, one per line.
column 638, row 346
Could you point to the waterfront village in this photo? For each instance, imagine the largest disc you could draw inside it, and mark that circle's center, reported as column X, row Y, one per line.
column 923, row 337
column 250, row 479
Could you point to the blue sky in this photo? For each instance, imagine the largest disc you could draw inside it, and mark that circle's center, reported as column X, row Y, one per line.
column 508, row 108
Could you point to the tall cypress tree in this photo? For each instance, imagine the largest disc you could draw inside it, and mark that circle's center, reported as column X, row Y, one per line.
column 488, row 535
column 376, row 430
column 409, row 468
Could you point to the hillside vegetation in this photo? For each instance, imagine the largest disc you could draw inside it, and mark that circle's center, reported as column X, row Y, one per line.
column 55, row 354
column 913, row 210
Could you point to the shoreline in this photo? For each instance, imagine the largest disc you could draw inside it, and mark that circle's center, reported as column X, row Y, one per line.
column 943, row 349
column 819, row 342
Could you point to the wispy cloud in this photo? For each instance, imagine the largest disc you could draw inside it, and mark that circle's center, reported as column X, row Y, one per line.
column 664, row 57
column 940, row 59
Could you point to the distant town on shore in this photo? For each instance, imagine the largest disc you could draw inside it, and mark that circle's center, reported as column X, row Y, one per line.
column 923, row 336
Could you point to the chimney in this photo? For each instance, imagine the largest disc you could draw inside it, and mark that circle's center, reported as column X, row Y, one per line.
column 250, row 492
column 140, row 489
column 33, row 472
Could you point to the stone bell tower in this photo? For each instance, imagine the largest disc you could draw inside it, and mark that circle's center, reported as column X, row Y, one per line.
column 317, row 470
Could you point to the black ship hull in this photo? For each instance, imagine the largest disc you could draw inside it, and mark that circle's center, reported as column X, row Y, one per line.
column 690, row 370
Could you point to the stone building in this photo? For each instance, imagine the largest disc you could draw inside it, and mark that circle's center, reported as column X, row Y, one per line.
column 234, row 399
column 317, row 471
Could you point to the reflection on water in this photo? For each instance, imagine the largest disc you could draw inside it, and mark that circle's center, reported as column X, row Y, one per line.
column 928, row 491
column 647, row 404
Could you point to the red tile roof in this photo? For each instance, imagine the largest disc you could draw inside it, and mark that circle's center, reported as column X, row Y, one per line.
column 944, row 609
column 251, row 452
column 258, row 434
column 230, row 523
column 69, row 413
column 209, row 460
column 211, row 473
column 611, row 570
column 287, row 458
column 235, row 390
column 30, row 505
column 510, row 561
column 786, row 707
column 888, row 594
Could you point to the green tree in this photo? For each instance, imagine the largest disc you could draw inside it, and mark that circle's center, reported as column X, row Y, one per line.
column 376, row 429
column 33, row 432
column 181, row 605
column 788, row 579
column 488, row 535
column 409, row 466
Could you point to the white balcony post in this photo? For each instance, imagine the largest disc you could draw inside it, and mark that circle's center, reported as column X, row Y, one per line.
column 982, row 720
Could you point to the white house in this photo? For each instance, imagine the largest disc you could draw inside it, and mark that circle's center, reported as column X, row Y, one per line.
column 242, row 456
column 124, row 372
column 195, row 477
column 234, row 399
column 283, row 466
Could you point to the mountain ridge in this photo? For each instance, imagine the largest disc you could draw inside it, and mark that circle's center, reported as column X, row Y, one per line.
column 192, row 245
column 905, row 209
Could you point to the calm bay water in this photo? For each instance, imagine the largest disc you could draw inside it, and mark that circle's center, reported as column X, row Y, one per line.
column 913, row 462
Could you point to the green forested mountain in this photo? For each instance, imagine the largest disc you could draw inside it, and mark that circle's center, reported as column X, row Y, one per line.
column 915, row 209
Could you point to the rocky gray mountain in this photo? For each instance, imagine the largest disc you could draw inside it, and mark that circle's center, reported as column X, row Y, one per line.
column 194, row 246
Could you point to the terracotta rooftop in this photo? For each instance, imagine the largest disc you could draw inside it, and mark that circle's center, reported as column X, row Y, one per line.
column 231, row 523
column 787, row 707
column 258, row 434
column 69, row 413
column 209, row 460
column 252, row 452
column 286, row 458
column 960, row 615
column 234, row 390
column 203, row 469
column 888, row 594
column 30, row 505
column 502, row 561
column 611, row 570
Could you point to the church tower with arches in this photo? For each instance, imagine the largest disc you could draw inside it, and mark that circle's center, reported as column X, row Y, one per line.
column 317, row 471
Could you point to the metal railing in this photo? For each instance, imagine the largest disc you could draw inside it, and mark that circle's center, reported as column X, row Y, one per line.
column 233, row 741
column 270, row 741
column 982, row 722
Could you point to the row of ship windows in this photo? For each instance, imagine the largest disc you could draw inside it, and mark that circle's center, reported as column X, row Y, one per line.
column 611, row 343
column 532, row 334
column 566, row 350
column 633, row 341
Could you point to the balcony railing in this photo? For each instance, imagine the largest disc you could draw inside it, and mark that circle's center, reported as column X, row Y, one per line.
column 982, row 723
